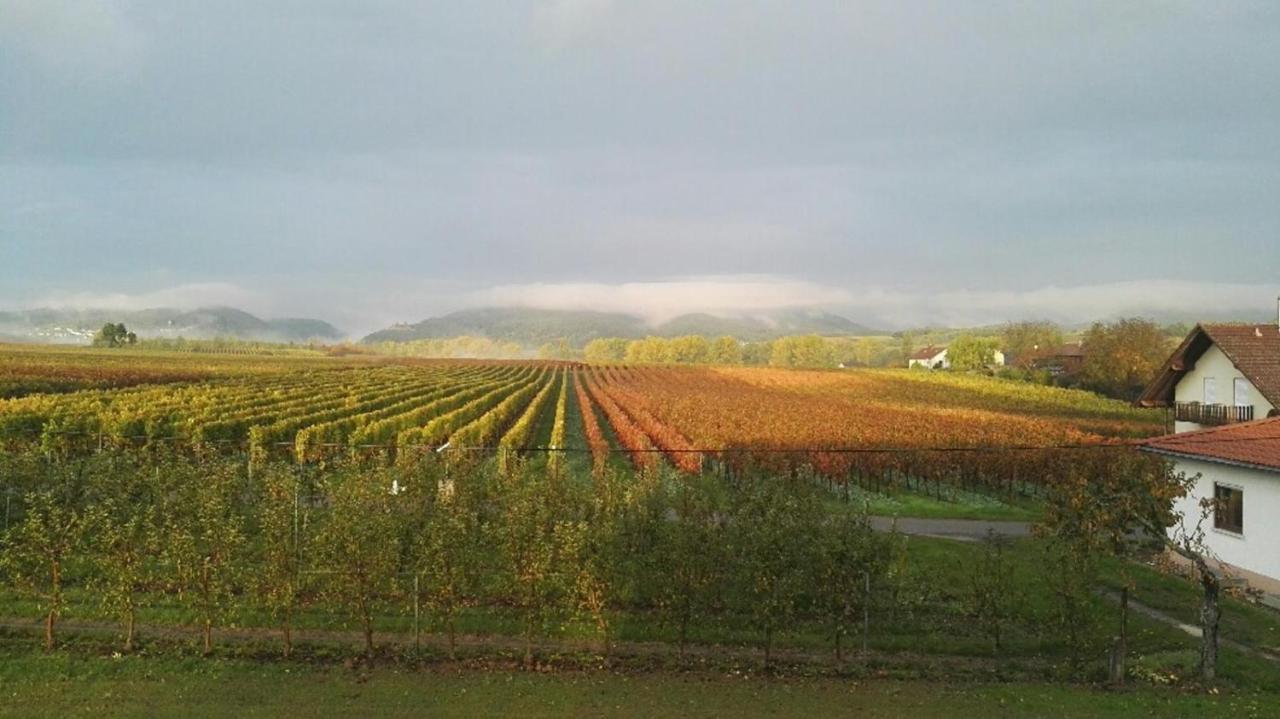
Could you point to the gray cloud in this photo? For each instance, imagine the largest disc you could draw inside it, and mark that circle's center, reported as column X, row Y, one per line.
column 382, row 160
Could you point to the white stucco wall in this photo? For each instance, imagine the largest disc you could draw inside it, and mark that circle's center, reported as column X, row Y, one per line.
column 1213, row 363
column 1258, row 548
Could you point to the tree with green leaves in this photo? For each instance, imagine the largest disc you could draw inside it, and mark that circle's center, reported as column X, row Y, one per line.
column 969, row 352
column 812, row 351
column 849, row 560
column 606, row 350
column 1024, row 342
column 280, row 518
column 691, row 553
column 448, row 552
column 204, row 538
column 359, row 543
column 1109, row 502
column 725, row 350
column 992, row 597
column 772, row 531
column 593, row 548
column 39, row 548
column 129, row 536
column 114, row 335
column 529, row 510
column 1121, row 357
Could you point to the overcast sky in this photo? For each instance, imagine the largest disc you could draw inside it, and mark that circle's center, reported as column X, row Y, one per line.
column 902, row 162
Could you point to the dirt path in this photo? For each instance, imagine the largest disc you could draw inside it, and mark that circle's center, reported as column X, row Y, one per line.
column 1189, row 629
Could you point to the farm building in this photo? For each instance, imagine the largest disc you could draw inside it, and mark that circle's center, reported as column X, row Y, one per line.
column 930, row 357
column 1239, row 466
column 1063, row 360
column 1223, row 385
column 1220, row 374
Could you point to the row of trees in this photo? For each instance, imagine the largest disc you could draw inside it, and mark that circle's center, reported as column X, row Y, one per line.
column 791, row 351
column 686, row 555
column 140, row 529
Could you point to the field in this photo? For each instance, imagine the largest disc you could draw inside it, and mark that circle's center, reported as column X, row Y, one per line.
column 652, row 529
column 316, row 405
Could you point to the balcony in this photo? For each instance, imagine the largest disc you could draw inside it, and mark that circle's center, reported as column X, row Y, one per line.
column 1212, row 414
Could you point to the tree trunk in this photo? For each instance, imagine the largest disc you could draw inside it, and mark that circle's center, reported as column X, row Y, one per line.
column 1210, row 613
column 55, row 602
column 208, row 636
column 839, row 649
column 768, row 647
column 288, row 633
column 49, row 620
column 130, row 622
column 367, row 622
column 453, row 637
column 1120, row 651
column 528, row 642
column 684, row 633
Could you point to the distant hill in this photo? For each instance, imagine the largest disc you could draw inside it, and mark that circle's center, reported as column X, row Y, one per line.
column 533, row 327
column 79, row 325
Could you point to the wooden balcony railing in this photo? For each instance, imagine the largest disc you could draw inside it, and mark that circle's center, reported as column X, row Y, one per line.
column 1212, row 414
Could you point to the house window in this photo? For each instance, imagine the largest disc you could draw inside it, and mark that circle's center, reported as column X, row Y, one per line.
column 1228, row 510
column 1210, row 390
column 1241, row 389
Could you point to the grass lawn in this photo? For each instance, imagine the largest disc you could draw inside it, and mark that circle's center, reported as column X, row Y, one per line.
column 66, row 684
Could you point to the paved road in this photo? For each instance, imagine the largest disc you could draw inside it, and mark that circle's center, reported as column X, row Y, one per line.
column 964, row 529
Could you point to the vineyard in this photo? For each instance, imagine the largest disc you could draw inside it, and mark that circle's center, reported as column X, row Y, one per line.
column 867, row 429
column 504, row 498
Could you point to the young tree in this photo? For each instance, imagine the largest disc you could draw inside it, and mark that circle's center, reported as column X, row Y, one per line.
column 358, row 543
column 205, row 539
column 38, row 548
column 772, row 534
column 127, row 540
column 849, row 559
column 1109, row 502
column 690, row 553
column 447, row 557
column 592, row 548
column 529, row 508
column 280, row 519
column 992, row 593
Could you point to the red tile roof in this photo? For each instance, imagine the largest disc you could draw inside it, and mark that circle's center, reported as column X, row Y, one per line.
column 1253, row 348
column 926, row 353
column 1252, row 444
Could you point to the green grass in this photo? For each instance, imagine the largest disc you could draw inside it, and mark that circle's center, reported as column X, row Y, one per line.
column 70, row 684
column 962, row 505
column 1242, row 621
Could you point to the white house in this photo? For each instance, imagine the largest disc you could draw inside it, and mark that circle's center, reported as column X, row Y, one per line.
column 1220, row 374
column 930, row 358
column 936, row 358
column 1239, row 466
column 1223, row 386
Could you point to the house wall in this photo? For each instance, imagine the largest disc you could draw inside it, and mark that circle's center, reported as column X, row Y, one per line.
column 1213, row 363
column 1257, row 550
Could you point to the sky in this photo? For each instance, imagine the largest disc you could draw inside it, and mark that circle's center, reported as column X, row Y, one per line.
column 900, row 162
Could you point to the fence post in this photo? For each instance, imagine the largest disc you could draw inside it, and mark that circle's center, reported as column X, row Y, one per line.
column 866, row 610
